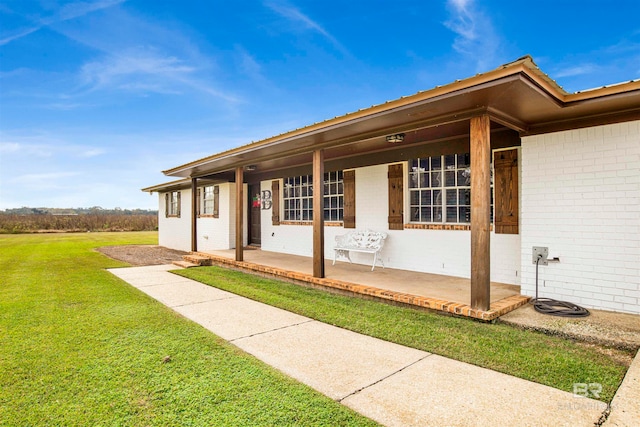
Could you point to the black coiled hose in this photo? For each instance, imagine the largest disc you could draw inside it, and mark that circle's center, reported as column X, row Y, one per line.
column 554, row 307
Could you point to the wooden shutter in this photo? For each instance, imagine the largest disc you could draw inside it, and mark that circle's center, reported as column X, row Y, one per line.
column 275, row 202
column 166, row 205
column 179, row 206
column 216, row 201
column 506, row 191
column 198, row 201
column 349, row 186
column 396, row 202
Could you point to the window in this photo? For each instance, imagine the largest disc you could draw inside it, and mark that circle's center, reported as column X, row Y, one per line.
column 298, row 192
column 172, row 204
column 298, row 197
column 440, row 189
column 333, row 196
column 207, row 200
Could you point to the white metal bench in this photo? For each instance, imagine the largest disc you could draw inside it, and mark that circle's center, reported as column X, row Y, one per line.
column 366, row 241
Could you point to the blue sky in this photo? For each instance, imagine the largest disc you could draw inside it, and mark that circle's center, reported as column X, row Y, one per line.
column 98, row 96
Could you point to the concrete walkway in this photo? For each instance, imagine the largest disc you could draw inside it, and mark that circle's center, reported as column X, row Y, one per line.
column 392, row 384
column 625, row 407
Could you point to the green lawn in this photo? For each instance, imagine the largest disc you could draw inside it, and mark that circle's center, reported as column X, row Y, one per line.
column 531, row 355
column 81, row 347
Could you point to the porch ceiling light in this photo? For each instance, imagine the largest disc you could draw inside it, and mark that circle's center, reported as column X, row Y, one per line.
column 395, row 139
column 250, row 168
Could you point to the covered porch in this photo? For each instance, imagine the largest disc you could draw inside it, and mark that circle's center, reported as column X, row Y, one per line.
column 441, row 293
column 445, row 173
column 384, row 152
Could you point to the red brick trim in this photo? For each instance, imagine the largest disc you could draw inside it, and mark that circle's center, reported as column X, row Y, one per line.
column 456, row 227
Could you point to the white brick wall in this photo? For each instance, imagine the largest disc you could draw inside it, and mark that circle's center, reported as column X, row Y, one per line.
column 220, row 232
column 581, row 198
column 445, row 252
column 434, row 251
column 288, row 239
column 174, row 232
column 216, row 233
column 292, row 239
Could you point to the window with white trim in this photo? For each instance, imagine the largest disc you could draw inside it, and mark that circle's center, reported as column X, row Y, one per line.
column 298, row 197
column 440, row 189
column 207, row 200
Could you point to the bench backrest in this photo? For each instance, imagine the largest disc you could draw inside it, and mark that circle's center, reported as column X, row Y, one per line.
column 362, row 239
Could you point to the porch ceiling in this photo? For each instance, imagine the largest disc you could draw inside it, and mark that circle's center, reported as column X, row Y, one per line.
column 519, row 99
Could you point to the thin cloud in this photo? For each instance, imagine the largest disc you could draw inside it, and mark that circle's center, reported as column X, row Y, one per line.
column 42, row 178
column 251, row 68
column 92, row 152
column 14, row 73
column 41, row 185
column 247, row 64
column 144, row 88
column 75, row 10
column 18, row 35
column 463, row 21
column 145, row 71
column 137, row 56
column 9, row 147
column 16, row 148
column 616, row 62
column 623, row 47
column 476, row 38
column 67, row 12
column 575, row 70
column 294, row 15
column 119, row 69
column 66, row 106
column 36, row 147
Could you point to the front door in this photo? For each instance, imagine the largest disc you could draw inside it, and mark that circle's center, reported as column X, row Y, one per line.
column 254, row 214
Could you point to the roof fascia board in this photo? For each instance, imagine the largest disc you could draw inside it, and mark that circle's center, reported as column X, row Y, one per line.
column 583, row 122
column 166, row 185
column 177, row 185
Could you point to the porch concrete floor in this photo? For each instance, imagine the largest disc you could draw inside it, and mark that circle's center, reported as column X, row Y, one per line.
column 439, row 292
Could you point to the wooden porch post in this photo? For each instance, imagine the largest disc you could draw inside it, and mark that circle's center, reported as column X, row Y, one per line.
column 318, row 213
column 194, row 214
column 239, row 214
column 480, row 212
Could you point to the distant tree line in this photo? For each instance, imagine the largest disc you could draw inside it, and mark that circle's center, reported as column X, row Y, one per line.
column 55, row 220
column 77, row 211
